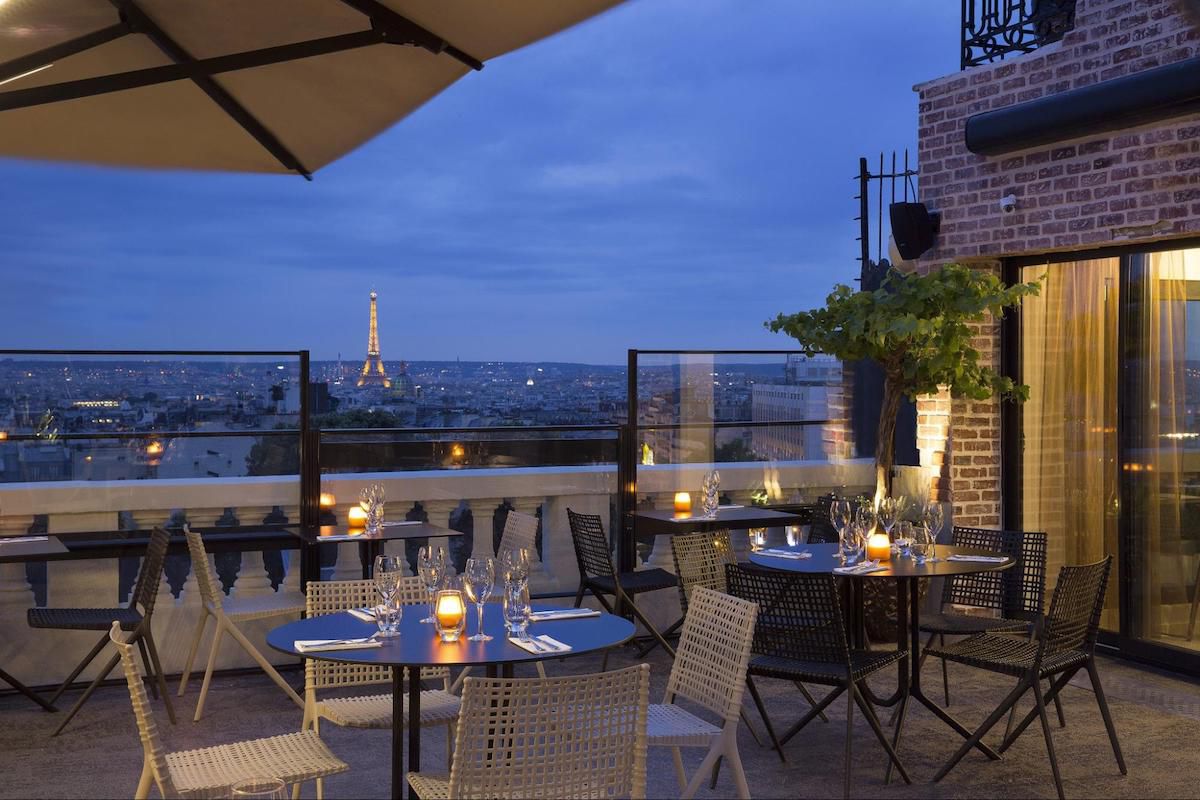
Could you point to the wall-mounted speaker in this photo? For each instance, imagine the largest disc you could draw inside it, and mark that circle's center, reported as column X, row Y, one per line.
column 913, row 228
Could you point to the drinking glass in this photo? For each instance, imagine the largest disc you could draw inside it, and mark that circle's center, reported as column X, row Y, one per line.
column 261, row 789
column 480, row 581
column 371, row 501
column 933, row 517
column 922, row 544
column 758, row 538
column 852, row 542
column 516, row 608
column 431, row 566
column 793, row 535
column 388, row 572
column 904, row 538
column 888, row 514
column 866, row 517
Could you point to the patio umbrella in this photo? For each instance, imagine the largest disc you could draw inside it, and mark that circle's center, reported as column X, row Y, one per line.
column 243, row 85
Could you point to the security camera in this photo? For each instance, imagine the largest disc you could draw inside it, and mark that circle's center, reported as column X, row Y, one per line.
column 1008, row 203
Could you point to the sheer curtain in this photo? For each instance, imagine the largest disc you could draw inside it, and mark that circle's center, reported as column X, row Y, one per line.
column 1069, row 448
column 1163, row 437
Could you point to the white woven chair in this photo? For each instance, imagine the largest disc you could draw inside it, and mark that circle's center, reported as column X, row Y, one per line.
column 227, row 613
column 710, row 671
column 213, row 771
column 580, row 736
column 520, row 532
column 438, row 706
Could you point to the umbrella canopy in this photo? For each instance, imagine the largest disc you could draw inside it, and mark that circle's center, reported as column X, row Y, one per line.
column 244, row 85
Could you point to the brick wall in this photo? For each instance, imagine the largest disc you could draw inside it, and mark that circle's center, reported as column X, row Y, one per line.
column 1134, row 185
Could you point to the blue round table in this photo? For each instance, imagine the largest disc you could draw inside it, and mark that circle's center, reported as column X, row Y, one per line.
column 418, row 646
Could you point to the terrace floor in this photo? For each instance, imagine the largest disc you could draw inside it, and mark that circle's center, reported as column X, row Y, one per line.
column 1157, row 717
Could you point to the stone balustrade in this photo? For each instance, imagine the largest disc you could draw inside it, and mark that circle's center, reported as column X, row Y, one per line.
column 468, row 499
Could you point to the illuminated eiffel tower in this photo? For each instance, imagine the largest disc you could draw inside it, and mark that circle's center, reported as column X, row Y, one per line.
column 372, row 371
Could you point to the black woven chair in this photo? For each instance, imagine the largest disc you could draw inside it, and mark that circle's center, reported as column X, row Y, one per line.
column 1014, row 597
column 136, row 617
column 801, row 636
column 597, row 575
column 821, row 530
column 1064, row 643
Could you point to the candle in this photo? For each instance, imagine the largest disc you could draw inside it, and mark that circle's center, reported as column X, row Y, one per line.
column 327, row 500
column 683, row 502
column 879, row 547
column 451, row 614
column 357, row 517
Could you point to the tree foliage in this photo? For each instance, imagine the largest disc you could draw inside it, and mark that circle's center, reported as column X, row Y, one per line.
column 918, row 327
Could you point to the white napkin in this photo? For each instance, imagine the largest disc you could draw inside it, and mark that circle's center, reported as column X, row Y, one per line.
column 692, row 519
column 365, row 614
column 541, row 645
column 860, row 569
column 18, row 539
column 316, row 645
column 402, row 522
column 563, row 613
column 983, row 559
column 774, row 553
column 731, row 505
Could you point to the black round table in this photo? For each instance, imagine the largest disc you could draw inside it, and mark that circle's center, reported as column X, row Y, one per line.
column 906, row 572
column 418, row 646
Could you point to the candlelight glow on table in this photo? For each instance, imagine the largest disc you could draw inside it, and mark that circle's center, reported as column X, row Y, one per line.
column 683, row 503
column 879, row 547
column 451, row 614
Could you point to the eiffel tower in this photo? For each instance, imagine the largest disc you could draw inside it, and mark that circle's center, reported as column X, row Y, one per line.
column 372, row 371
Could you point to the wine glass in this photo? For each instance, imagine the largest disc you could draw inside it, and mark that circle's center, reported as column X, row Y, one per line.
column 388, row 572
column 867, row 517
column 516, row 609
column 793, row 535
column 852, row 542
column 841, row 514
column 514, row 562
column 888, row 512
column 933, row 517
column 431, row 566
column 480, row 582
column 260, row 789
column 922, row 544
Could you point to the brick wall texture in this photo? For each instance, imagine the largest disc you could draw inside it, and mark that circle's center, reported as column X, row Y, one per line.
column 1128, row 186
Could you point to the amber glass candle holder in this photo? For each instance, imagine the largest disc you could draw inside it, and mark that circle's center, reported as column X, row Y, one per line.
column 450, row 613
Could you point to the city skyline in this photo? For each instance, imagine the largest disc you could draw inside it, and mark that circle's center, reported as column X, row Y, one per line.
column 633, row 182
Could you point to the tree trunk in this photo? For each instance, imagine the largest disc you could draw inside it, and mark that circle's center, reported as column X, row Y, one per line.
column 885, row 445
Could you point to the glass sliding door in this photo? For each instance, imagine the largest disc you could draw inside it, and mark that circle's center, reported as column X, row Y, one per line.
column 1162, row 469
column 1068, row 479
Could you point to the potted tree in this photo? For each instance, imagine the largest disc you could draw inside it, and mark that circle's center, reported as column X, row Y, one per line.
column 919, row 329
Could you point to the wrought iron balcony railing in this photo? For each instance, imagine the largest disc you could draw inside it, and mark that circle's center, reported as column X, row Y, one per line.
column 994, row 29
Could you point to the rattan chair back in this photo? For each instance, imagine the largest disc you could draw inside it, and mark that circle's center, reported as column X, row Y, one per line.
column 332, row 597
column 713, row 653
column 582, row 736
column 981, row 589
column 1074, row 616
column 150, row 576
column 700, row 560
column 821, row 530
column 520, row 533
column 155, row 753
column 799, row 614
column 591, row 545
column 1025, row 590
column 210, row 592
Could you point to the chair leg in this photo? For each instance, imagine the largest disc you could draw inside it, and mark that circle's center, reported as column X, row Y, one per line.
column 716, row 773
column 109, row 667
column 873, row 721
column 849, row 737
column 80, row 667
column 208, row 671
column 709, row 759
column 266, row 666
column 680, row 775
column 463, row 674
column 746, row 721
column 1041, row 707
column 1055, row 687
column 579, row 595
column 735, row 766
column 1104, row 712
column 945, row 667
column 1062, row 720
column 158, row 672
column 637, row 612
column 296, row 791
column 143, row 788
column 1008, row 702
column 141, row 643
column 191, row 659
column 812, row 714
column 762, row 712
column 808, row 698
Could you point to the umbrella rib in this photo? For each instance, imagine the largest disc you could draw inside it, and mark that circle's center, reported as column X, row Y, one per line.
column 399, row 26
column 26, row 64
column 142, row 23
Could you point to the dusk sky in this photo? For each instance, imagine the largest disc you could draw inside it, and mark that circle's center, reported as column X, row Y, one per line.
column 669, row 174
